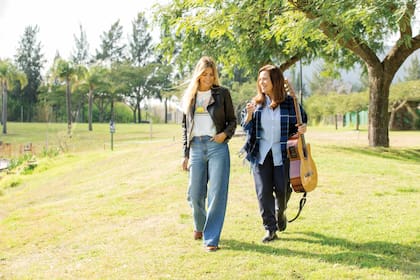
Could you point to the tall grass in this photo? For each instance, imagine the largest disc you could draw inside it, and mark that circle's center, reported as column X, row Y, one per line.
column 93, row 213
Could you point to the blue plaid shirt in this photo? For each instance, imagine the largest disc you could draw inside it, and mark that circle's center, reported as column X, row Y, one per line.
column 253, row 129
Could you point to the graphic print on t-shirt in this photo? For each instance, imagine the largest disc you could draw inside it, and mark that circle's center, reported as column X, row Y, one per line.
column 201, row 104
column 203, row 123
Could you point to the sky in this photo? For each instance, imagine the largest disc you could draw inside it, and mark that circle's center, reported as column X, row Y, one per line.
column 59, row 21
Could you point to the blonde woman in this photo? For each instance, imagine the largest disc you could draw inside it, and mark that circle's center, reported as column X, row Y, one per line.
column 209, row 122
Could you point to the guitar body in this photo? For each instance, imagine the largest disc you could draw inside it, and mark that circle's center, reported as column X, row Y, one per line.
column 303, row 173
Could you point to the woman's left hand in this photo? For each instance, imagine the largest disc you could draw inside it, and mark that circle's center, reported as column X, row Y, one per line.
column 301, row 128
column 219, row 138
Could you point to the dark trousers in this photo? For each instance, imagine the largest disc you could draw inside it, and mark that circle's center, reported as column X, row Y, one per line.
column 272, row 188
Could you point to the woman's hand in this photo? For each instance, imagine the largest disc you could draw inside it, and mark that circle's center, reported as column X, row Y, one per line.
column 219, row 138
column 301, row 128
column 185, row 164
column 250, row 109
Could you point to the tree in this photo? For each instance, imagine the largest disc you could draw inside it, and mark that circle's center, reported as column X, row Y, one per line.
column 236, row 33
column 30, row 60
column 142, row 70
column 413, row 70
column 140, row 82
column 161, row 84
column 112, row 49
column 94, row 79
column 321, row 83
column 361, row 28
column 140, row 43
column 401, row 95
column 68, row 72
column 252, row 33
column 357, row 102
column 80, row 54
column 8, row 75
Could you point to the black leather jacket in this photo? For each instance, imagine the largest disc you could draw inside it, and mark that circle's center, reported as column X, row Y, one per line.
column 221, row 111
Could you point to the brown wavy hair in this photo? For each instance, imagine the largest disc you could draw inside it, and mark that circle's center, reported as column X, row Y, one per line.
column 277, row 79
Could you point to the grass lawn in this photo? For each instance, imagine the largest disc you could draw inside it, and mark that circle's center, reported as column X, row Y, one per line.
column 89, row 212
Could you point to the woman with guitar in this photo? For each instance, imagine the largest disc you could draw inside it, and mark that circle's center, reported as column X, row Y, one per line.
column 269, row 120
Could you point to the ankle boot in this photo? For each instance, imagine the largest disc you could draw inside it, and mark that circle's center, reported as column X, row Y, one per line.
column 270, row 235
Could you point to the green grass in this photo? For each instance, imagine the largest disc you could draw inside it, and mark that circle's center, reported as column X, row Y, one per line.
column 93, row 213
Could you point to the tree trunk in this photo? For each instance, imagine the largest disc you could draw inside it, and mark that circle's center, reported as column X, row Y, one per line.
column 378, row 107
column 90, row 106
column 138, row 112
column 112, row 109
column 336, row 121
column 68, row 103
column 166, row 110
column 357, row 120
column 4, row 111
column 413, row 115
column 394, row 109
column 134, row 114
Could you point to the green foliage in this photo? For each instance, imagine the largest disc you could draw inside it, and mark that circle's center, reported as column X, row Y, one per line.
column 251, row 33
column 238, row 34
column 9, row 76
column 30, row 60
column 67, row 70
column 319, row 105
column 81, row 53
column 314, row 107
column 140, row 42
column 50, row 152
column 413, row 70
column 111, row 47
column 405, row 91
column 123, row 114
column 241, row 94
column 248, row 34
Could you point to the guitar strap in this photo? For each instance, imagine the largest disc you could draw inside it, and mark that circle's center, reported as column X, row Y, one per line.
column 301, row 204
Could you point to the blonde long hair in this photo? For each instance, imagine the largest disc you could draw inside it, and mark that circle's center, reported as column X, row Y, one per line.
column 189, row 94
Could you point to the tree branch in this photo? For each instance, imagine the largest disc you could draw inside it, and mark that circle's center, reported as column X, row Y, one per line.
column 291, row 61
column 332, row 31
column 402, row 49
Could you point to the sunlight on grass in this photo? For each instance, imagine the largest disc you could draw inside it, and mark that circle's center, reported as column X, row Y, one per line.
column 408, row 190
column 92, row 213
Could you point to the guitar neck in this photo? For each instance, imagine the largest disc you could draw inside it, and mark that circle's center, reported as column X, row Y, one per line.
column 297, row 110
column 298, row 117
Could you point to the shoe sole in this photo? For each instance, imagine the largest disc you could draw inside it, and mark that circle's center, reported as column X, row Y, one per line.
column 212, row 248
column 269, row 240
column 283, row 219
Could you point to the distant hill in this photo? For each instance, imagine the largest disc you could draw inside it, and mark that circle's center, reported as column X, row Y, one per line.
column 352, row 76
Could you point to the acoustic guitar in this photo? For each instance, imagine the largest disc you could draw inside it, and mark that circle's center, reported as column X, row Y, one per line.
column 303, row 174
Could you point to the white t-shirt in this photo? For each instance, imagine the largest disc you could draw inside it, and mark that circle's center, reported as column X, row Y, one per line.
column 203, row 123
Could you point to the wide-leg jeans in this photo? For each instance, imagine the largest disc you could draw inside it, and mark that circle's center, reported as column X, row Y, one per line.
column 208, row 178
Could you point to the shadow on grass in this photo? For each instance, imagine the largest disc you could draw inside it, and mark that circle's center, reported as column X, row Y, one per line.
column 391, row 256
column 390, row 153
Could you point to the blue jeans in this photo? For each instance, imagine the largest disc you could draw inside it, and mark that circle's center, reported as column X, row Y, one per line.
column 208, row 177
